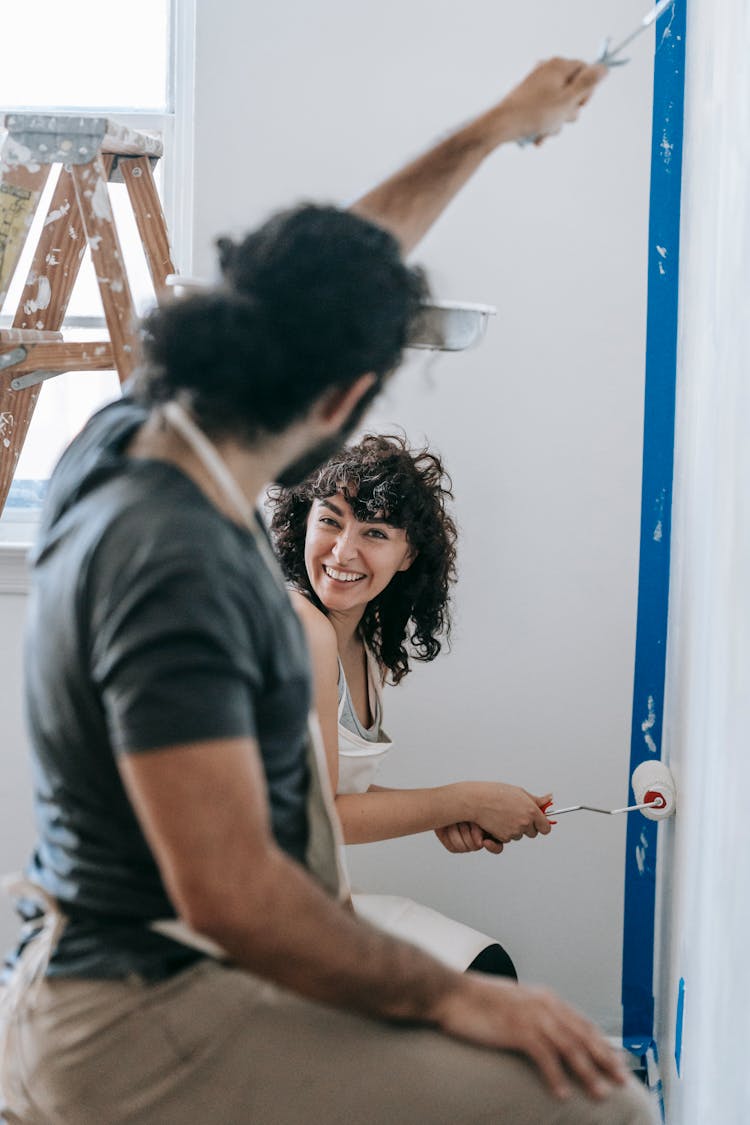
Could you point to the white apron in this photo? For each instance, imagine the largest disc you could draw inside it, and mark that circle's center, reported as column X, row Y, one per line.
column 451, row 942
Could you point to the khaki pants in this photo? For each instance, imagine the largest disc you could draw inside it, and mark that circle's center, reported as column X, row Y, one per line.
column 216, row 1045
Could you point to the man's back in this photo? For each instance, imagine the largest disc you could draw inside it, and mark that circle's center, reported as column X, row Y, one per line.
column 153, row 621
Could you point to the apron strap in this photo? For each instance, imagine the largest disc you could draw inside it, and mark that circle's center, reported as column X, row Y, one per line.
column 31, row 967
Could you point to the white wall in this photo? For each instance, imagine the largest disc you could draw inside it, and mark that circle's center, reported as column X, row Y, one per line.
column 541, row 427
column 705, row 853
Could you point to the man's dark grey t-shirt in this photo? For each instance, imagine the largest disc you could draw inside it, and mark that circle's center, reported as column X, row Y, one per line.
column 153, row 622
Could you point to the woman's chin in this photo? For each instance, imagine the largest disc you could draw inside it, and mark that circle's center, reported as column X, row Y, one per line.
column 338, row 595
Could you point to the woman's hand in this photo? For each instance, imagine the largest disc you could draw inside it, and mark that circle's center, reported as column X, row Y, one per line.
column 467, row 837
column 551, row 95
column 504, row 812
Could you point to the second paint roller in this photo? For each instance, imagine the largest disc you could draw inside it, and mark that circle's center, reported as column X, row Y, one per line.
column 654, row 791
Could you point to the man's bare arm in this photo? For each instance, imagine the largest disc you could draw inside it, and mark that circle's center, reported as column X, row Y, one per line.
column 409, row 202
column 203, row 808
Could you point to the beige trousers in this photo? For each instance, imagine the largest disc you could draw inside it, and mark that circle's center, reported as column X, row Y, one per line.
column 216, row 1046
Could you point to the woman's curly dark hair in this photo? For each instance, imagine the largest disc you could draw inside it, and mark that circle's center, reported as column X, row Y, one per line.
column 383, row 479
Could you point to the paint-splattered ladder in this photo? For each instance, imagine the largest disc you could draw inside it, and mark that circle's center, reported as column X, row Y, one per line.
column 93, row 152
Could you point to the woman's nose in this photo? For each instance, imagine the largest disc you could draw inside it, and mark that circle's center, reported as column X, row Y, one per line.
column 344, row 548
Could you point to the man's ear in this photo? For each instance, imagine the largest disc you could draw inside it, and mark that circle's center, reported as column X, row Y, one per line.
column 336, row 406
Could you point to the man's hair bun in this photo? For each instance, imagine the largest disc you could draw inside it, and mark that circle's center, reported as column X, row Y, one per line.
column 311, row 300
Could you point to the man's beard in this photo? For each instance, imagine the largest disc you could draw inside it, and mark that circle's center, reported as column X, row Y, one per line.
column 297, row 471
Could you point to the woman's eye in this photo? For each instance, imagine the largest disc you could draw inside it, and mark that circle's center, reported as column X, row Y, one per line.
column 328, row 521
column 375, row 533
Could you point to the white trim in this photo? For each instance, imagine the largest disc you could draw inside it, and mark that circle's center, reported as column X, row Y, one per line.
column 179, row 167
column 14, row 568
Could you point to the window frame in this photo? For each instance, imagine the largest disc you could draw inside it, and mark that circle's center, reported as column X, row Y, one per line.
column 175, row 125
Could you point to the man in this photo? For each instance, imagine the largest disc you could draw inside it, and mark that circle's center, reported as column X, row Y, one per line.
column 203, row 964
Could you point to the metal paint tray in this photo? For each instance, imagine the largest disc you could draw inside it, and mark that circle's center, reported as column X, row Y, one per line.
column 446, row 326
column 450, row 326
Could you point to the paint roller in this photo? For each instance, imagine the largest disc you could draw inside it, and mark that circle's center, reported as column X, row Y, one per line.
column 609, row 56
column 653, row 789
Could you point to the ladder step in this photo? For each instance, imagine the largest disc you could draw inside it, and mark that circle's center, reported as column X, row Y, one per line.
column 15, row 336
column 93, row 151
column 47, row 138
column 22, row 355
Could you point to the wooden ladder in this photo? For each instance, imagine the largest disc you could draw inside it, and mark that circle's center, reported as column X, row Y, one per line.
column 93, row 151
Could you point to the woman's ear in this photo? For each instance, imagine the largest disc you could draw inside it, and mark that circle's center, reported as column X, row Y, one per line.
column 337, row 405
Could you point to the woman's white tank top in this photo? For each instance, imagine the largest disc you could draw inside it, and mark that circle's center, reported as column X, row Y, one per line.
column 360, row 757
column 361, row 752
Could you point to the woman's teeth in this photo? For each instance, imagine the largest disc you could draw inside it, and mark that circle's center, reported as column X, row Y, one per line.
column 342, row 575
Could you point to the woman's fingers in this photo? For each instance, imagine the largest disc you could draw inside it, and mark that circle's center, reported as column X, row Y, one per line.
column 477, row 835
column 507, row 812
column 461, row 837
column 444, row 837
column 467, row 838
column 541, row 819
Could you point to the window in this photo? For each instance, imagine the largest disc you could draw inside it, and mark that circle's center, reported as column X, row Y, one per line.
column 87, row 55
column 135, row 65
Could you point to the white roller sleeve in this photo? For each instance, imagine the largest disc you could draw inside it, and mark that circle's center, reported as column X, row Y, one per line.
column 650, row 781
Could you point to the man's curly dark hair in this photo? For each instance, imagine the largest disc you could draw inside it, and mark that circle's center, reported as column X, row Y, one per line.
column 310, row 301
column 382, row 478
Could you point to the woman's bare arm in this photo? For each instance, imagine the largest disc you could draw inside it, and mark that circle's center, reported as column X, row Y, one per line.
column 321, row 641
column 505, row 812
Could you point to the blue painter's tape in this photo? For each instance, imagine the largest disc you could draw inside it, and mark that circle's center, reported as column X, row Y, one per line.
column 656, row 508
column 653, row 1077
column 678, row 1025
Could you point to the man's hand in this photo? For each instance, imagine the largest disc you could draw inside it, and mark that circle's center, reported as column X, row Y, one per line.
column 409, row 202
column 467, row 836
column 549, row 97
column 561, row 1042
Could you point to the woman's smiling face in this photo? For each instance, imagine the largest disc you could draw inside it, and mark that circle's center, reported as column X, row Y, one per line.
column 350, row 562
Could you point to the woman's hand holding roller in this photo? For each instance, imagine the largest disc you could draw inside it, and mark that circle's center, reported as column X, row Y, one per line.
column 467, row 836
column 502, row 812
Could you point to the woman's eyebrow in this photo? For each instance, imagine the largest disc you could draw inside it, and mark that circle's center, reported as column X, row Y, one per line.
column 368, row 519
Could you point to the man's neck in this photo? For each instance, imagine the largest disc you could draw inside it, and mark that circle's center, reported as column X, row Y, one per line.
column 252, row 469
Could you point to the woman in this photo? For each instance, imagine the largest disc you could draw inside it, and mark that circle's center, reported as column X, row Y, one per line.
column 369, row 547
